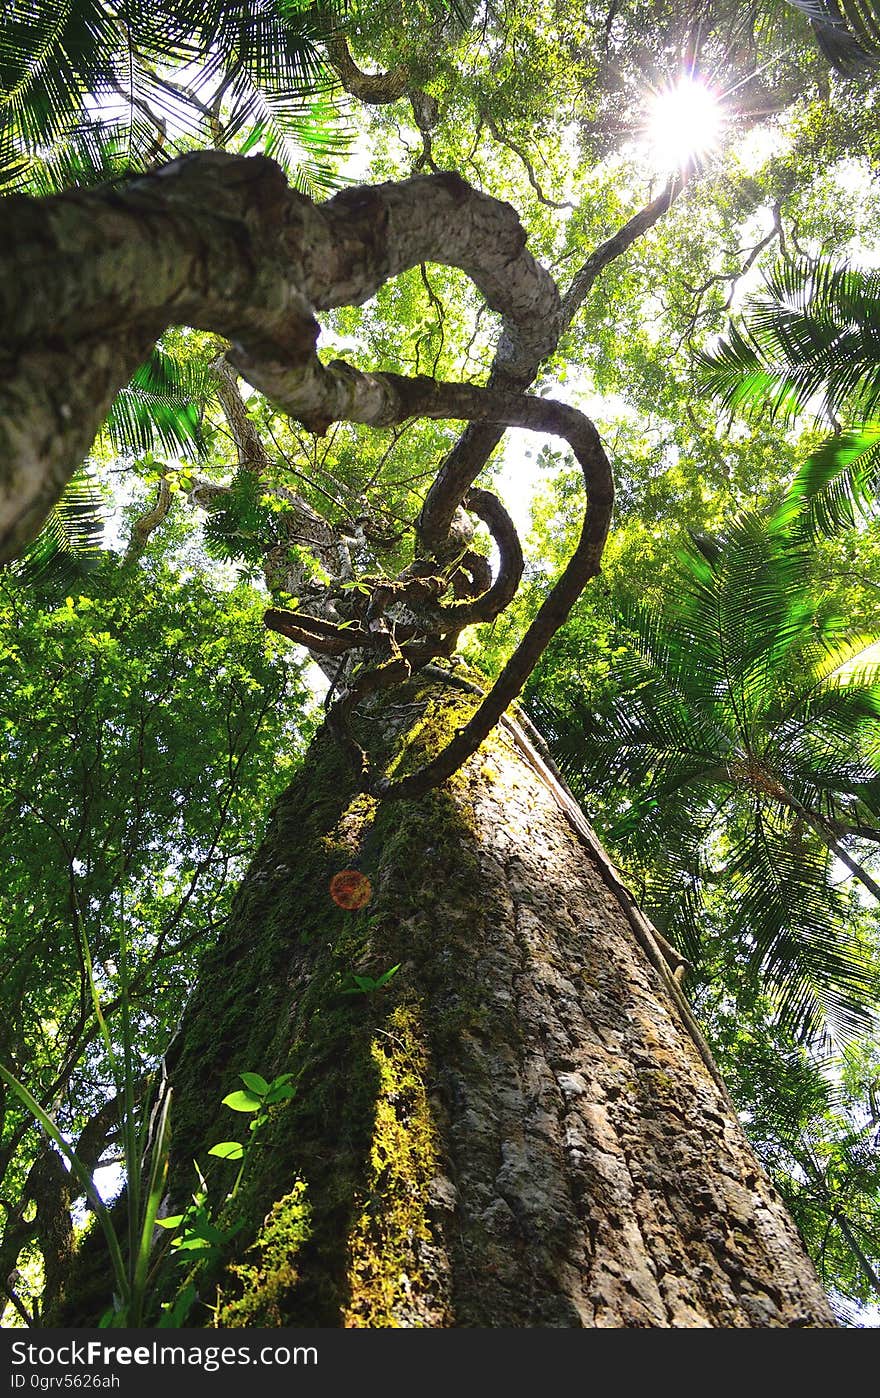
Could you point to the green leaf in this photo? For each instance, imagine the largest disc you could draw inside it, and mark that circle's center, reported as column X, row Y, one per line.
column 69, row 546
column 227, row 1150
column 162, row 408
column 175, row 1314
column 204, row 1230
column 280, row 1093
column 255, row 1083
column 386, row 976
column 243, row 1102
column 192, row 1244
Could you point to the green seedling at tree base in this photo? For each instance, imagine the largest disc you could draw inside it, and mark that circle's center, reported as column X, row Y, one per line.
column 200, row 1238
column 256, row 1099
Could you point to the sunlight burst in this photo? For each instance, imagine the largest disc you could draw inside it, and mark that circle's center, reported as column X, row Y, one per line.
column 683, row 122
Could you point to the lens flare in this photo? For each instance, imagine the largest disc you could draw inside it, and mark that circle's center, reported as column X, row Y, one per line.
column 683, row 122
column 350, row 889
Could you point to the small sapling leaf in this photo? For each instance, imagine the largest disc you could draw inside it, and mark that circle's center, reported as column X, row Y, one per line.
column 255, row 1082
column 243, row 1102
column 228, row 1150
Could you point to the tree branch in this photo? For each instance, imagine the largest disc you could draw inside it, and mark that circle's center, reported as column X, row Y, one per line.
column 377, row 89
column 147, row 523
column 222, row 243
column 515, row 367
column 506, row 141
column 425, row 398
column 219, row 242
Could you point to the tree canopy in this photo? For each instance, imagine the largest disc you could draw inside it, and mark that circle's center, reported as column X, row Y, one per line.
column 525, row 257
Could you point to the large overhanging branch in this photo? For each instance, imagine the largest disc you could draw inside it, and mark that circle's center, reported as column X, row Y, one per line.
column 221, row 243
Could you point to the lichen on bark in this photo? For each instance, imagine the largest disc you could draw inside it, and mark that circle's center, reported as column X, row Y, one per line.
column 515, row 1130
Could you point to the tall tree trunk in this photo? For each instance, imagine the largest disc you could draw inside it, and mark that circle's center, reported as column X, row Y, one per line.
column 517, row 1129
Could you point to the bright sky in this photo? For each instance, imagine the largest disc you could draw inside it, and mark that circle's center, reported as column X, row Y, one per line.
column 682, row 121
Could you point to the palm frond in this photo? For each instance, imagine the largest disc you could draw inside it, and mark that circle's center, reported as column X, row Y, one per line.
column 70, row 543
column 837, row 483
column 52, row 52
column 740, row 726
column 812, row 339
column 276, row 42
column 739, row 602
column 14, row 163
column 162, row 407
column 847, row 33
column 88, row 154
column 241, row 526
column 736, row 373
column 172, row 66
column 305, row 138
column 787, row 911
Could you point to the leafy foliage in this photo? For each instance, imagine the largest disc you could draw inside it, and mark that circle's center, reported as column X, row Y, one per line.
column 816, row 332
column 814, row 339
column 61, row 61
column 847, row 32
column 242, row 524
column 162, row 407
column 740, row 748
column 139, row 741
column 69, row 544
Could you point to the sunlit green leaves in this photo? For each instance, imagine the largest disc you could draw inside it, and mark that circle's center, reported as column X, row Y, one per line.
column 69, row 544
column 146, row 722
column 813, row 338
column 243, row 522
column 190, row 72
column 736, row 743
column 162, row 407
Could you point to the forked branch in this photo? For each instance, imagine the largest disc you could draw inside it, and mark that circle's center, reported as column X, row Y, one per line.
column 222, row 243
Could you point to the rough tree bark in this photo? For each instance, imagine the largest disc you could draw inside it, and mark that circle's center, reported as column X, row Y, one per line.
column 92, row 278
column 519, row 1129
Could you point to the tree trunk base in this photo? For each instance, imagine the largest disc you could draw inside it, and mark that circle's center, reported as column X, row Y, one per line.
column 516, row 1130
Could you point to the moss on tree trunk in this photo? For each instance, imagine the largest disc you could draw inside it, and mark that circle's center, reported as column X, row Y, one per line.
column 516, row 1130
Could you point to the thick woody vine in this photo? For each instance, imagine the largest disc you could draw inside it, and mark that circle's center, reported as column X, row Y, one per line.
column 222, row 243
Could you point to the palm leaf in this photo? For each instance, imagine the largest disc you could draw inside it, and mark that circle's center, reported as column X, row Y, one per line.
column 815, row 334
column 847, row 33
column 837, row 483
column 277, row 42
column 305, row 137
column 57, row 55
column 84, row 156
column 739, row 602
column 787, row 912
column 735, row 372
column 735, row 730
column 52, row 52
column 162, row 407
column 70, row 543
